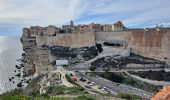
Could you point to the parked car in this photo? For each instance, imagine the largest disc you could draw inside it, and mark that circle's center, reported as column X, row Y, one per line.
column 82, row 79
column 88, row 82
column 87, row 86
column 94, row 83
column 76, row 71
column 74, row 78
column 104, row 88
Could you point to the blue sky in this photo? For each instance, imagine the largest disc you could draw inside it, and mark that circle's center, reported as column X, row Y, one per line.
column 16, row 14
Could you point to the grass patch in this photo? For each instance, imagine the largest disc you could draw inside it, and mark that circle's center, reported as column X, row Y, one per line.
column 84, row 98
column 75, row 90
column 58, row 98
column 13, row 93
column 128, row 96
column 62, row 90
column 19, row 97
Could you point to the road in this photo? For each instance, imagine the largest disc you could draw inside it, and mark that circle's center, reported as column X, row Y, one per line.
column 115, row 87
column 154, row 82
column 118, row 70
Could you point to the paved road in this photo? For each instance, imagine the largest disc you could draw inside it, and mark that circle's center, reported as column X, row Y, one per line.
column 154, row 82
column 119, row 70
column 117, row 87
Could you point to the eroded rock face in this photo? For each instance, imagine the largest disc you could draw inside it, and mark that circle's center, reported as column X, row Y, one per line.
column 41, row 48
column 74, row 54
column 153, row 43
column 120, row 62
column 37, row 57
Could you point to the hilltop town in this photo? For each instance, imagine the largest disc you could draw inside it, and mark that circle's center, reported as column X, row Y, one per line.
column 93, row 49
column 107, row 39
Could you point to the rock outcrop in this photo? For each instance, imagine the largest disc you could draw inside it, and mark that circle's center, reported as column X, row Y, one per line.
column 74, row 55
column 44, row 45
column 153, row 43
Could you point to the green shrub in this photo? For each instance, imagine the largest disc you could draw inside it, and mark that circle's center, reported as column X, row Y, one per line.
column 45, row 95
column 92, row 68
column 57, row 90
column 128, row 96
column 58, row 98
column 16, row 97
column 84, row 98
column 75, row 90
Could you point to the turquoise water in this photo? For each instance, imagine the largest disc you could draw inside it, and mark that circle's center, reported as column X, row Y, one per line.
column 10, row 51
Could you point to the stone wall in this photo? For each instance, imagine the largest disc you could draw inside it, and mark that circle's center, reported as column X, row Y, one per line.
column 73, row 40
column 152, row 43
column 110, row 36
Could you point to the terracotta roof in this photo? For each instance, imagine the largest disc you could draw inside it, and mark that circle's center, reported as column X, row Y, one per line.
column 163, row 94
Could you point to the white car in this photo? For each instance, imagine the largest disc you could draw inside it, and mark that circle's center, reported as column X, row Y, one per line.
column 91, row 84
column 94, row 83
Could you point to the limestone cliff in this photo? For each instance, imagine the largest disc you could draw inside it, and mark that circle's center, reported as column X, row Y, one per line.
column 43, row 48
column 37, row 56
column 153, row 43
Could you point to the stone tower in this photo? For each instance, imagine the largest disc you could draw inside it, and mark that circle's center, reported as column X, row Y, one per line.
column 71, row 23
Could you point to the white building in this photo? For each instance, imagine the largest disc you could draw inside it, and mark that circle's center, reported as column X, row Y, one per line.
column 61, row 62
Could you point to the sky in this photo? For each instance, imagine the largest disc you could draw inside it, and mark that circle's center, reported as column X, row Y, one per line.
column 16, row 14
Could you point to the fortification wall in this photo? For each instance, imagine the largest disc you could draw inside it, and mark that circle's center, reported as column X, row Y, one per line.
column 151, row 43
column 111, row 36
column 73, row 40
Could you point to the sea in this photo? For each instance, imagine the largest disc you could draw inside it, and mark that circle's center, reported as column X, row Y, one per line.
column 10, row 52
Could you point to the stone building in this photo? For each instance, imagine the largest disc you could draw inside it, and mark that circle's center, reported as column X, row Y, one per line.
column 107, row 28
column 151, row 43
column 51, row 30
column 117, row 26
column 68, row 28
column 95, row 27
column 36, row 30
column 83, row 28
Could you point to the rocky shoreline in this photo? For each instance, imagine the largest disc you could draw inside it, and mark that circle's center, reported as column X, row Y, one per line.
column 20, row 79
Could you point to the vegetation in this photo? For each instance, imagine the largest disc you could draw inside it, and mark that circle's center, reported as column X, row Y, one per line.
column 13, row 92
column 113, row 62
column 125, row 79
column 92, row 68
column 84, row 98
column 62, row 90
column 49, row 95
column 20, row 97
column 33, row 87
column 112, row 76
column 16, row 97
column 153, row 75
column 146, row 59
column 99, row 47
column 128, row 96
column 112, row 44
column 32, row 91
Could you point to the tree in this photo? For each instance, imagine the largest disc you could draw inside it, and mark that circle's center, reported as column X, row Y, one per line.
column 92, row 68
